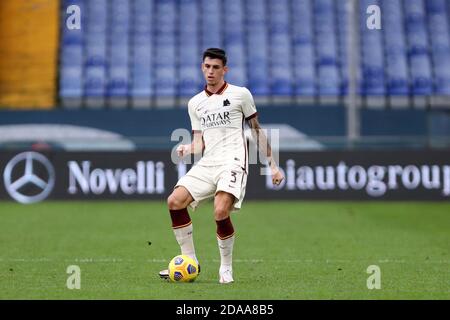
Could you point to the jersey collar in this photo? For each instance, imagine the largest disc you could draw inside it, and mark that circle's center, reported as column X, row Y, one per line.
column 220, row 91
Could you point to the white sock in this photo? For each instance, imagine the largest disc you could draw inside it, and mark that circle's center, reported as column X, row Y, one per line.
column 226, row 252
column 186, row 241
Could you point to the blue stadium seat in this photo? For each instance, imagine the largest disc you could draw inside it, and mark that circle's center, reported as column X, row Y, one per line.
column 303, row 37
column 326, row 48
column 142, row 24
column 343, row 33
column 304, row 75
column 421, row 74
column 372, row 55
column 165, row 50
column 418, row 51
column 325, row 35
column 234, row 38
column 118, row 75
column 165, row 71
column 188, row 81
column 280, row 49
column 438, row 27
column 257, row 48
column 280, row 67
column 328, row 80
column 71, row 61
column 71, row 75
column 396, row 66
column 95, row 73
column 95, row 52
column 211, row 26
column 189, row 73
column 71, row 82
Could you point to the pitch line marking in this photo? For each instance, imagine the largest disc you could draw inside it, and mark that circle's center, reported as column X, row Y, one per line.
column 161, row 260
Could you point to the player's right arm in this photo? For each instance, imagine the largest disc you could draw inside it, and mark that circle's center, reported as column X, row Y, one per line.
column 249, row 110
column 197, row 142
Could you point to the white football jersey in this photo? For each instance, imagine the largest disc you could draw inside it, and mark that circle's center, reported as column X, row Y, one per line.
column 221, row 117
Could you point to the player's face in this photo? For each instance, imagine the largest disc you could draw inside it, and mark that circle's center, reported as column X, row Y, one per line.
column 213, row 71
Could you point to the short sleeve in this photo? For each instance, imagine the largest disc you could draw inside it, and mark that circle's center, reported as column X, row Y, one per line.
column 248, row 105
column 195, row 121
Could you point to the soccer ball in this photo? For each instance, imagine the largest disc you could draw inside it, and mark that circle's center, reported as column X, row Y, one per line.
column 183, row 268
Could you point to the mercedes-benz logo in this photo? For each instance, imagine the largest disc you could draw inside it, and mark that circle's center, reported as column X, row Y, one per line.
column 29, row 170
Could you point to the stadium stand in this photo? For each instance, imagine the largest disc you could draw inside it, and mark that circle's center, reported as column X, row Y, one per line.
column 146, row 53
column 257, row 58
column 234, row 41
column 189, row 74
column 71, row 64
column 96, row 58
column 303, row 42
column 165, row 53
column 396, row 64
column 28, row 54
column 142, row 38
column 281, row 75
column 372, row 62
column 418, row 52
column 117, row 90
column 342, row 32
column 439, row 31
column 326, row 51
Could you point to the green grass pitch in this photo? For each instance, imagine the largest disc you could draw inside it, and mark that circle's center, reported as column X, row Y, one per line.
column 283, row 250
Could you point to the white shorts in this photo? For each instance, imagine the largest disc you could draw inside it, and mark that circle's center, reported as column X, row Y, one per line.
column 204, row 182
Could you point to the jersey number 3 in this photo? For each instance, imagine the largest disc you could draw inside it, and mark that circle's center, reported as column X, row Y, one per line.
column 233, row 176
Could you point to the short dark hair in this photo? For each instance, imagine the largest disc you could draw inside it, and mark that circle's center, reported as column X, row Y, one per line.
column 216, row 53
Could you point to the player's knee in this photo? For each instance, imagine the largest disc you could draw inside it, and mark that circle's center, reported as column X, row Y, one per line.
column 221, row 213
column 174, row 203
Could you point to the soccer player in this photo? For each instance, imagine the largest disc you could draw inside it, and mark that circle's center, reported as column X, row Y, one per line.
column 217, row 117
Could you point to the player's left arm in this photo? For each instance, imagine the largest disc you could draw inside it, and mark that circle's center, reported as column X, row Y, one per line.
column 264, row 147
